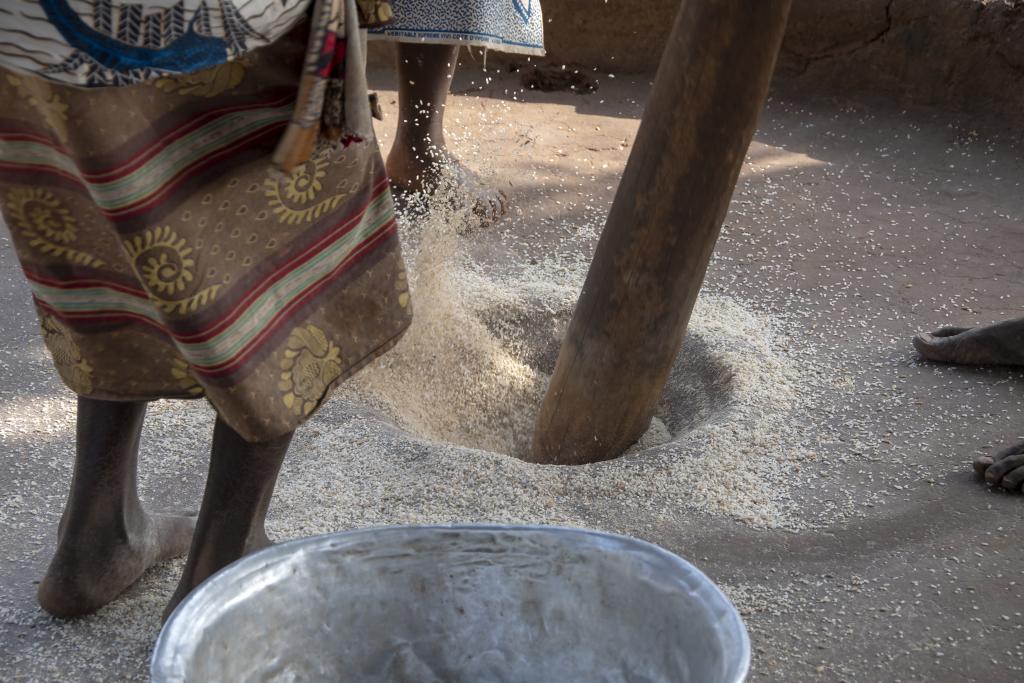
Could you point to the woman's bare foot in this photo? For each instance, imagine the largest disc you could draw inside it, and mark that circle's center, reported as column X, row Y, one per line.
column 96, row 560
column 1005, row 469
column 105, row 540
column 998, row 344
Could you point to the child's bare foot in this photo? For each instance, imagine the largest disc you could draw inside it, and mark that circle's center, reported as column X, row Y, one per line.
column 1004, row 469
column 998, row 344
column 419, row 158
column 426, row 173
column 98, row 560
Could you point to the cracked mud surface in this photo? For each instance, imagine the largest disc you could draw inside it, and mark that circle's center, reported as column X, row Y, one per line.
column 962, row 55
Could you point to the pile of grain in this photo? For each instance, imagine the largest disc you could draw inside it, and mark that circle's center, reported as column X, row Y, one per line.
column 465, row 383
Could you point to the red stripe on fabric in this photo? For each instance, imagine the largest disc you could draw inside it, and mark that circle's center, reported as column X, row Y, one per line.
column 143, row 205
column 284, row 314
column 148, row 153
column 339, row 55
column 389, row 230
column 338, row 231
column 325, row 59
column 170, row 137
column 107, row 317
column 44, row 169
column 84, row 284
column 134, row 162
column 34, row 137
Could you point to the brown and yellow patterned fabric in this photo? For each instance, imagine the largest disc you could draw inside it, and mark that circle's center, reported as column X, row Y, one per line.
column 169, row 259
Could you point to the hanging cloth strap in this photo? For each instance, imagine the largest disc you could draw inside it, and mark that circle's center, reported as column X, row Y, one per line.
column 332, row 106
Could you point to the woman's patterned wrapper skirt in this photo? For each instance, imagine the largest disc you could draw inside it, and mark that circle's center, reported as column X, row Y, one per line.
column 167, row 257
column 506, row 25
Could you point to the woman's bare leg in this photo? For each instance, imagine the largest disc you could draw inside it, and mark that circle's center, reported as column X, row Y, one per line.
column 238, row 492
column 105, row 539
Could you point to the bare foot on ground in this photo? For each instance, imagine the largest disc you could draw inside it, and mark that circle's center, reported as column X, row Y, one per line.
column 95, row 564
column 1005, row 469
column 998, row 344
column 426, row 173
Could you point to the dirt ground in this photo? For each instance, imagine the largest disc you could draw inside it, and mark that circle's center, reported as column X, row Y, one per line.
column 854, row 225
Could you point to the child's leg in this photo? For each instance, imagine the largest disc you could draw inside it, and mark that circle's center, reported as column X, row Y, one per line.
column 424, row 78
column 105, row 539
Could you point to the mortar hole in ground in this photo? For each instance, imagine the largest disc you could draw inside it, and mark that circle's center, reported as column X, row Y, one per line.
column 481, row 387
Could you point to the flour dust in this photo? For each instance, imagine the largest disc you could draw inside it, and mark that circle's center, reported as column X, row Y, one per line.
column 465, row 384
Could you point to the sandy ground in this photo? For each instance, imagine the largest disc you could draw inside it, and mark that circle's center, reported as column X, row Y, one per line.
column 803, row 457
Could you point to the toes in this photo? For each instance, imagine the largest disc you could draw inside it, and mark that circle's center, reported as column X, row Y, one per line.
column 499, row 205
column 1005, row 468
column 998, row 469
column 982, row 463
column 1013, row 479
column 491, row 207
column 936, row 347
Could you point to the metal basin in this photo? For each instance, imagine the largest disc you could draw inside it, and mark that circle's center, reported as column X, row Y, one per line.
column 465, row 604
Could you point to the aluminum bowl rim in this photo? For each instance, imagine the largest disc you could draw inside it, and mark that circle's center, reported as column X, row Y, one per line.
column 164, row 664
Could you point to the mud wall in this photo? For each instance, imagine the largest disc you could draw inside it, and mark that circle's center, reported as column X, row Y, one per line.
column 964, row 54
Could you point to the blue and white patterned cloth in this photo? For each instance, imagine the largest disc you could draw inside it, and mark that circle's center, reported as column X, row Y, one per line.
column 506, row 25
column 119, row 42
